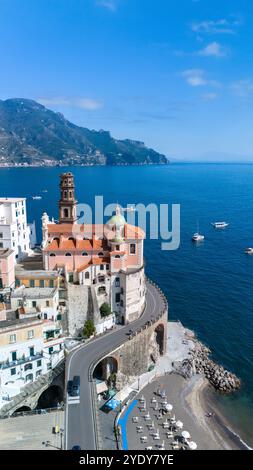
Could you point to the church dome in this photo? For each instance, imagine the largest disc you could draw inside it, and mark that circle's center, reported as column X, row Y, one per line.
column 117, row 219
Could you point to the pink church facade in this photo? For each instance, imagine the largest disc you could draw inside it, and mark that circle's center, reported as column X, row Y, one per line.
column 108, row 258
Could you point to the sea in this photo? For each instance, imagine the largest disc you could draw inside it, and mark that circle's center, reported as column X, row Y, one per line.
column 209, row 285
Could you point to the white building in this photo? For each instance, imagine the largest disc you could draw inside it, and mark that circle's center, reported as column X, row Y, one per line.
column 15, row 233
column 29, row 347
column 44, row 301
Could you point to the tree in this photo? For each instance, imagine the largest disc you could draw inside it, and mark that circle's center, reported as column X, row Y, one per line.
column 89, row 329
column 105, row 310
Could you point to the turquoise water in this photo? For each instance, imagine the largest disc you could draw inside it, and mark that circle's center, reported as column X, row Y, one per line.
column 209, row 286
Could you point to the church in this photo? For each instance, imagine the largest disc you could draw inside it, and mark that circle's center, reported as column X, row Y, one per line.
column 108, row 258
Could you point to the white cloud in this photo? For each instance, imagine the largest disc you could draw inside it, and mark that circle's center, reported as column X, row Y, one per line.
column 214, row 49
column 108, row 4
column 194, row 77
column 222, row 26
column 83, row 103
column 210, row 96
column 242, row 88
column 197, row 77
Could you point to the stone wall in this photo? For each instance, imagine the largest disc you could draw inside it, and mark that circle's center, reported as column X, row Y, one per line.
column 137, row 354
column 78, row 305
column 31, row 393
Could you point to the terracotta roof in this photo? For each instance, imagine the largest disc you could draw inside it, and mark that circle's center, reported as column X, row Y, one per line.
column 83, row 267
column 94, row 261
column 83, row 245
column 79, row 245
column 133, row 232
column 91, row 231
column 99, row 244
column 54, row 245
column 67, row 245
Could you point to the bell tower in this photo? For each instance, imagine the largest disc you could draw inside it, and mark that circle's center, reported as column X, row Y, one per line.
column 67, row 203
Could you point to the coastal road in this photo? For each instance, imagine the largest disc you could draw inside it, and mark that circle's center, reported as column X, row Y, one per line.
column 79, row 420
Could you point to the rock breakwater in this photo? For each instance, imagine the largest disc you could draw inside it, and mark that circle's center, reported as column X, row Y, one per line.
column 199, row 362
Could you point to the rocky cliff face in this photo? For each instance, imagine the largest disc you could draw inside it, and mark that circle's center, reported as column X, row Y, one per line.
column 31, row 134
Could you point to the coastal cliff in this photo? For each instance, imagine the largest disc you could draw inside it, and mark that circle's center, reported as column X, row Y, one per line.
column 32, row 135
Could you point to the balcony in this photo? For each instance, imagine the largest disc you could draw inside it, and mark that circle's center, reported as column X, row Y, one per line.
column 19, row 362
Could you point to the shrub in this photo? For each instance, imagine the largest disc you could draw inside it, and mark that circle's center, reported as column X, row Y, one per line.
column 89, row 329
column 105, row 310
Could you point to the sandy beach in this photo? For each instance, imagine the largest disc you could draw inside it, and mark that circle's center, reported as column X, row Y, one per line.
column 191, row 404
column 192, row 398
column 200, row 398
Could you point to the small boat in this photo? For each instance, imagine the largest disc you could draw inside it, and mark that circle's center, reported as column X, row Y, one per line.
column 44, row 190
column 197, row 237
column 220, row 224
column 249, row 251
column 36, row 198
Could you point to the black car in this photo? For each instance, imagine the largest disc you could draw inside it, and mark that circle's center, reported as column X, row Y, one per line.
column 75, row 386
column 76, row 448
column 129, row 333
column 69, row 387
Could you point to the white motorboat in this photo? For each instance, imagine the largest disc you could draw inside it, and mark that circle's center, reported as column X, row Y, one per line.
column 197, row 237
column 249, row 251
column 220, row 224
column 36, row 198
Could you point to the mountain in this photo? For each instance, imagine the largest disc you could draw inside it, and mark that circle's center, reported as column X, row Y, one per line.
column 31, row 134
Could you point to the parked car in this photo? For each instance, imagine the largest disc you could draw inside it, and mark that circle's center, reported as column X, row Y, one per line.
column 75, row 386
column 69, row 387
column 76, row 448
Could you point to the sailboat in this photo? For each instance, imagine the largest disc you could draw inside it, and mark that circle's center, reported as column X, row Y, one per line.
column 197, row 237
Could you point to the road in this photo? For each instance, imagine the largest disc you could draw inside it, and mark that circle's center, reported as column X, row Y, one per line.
column 79, row 421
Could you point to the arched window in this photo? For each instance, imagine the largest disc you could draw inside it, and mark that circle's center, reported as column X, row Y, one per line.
column 85, row 253
column 71, row 238
column 100, row 253
column 70, row 193
column 28, row 366
column 66, row 212
column 52, row 254
column 68, row 254
column 117, row 256
column 87, row 275
column 65, row 194
column 29, row 378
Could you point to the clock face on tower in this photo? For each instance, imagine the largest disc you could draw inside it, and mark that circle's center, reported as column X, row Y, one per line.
column 67, row 203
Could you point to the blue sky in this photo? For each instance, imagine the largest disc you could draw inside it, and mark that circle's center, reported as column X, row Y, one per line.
column 177, row 74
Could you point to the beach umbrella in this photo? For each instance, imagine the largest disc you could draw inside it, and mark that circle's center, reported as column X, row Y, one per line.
column 185, row 435
column 192, row 445
column 179, row 424
column 168, row 407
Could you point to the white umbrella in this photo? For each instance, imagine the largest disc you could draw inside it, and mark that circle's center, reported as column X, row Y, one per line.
column 192, row 445
column 179, row 424
column 185, row 435
column 168, row 407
